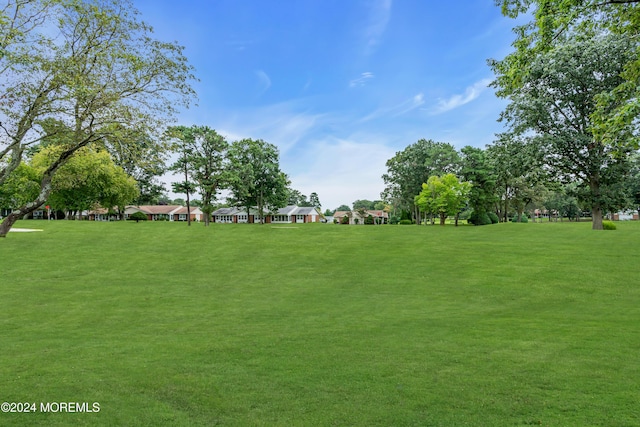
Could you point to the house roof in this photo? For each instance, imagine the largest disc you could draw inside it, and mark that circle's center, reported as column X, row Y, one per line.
column 226, row 211
column 374, row 213
column 183, row 210
column 287, row 210
column 306, row 211
column 155, row 209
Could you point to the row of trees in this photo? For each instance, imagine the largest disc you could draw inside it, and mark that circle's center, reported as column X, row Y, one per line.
column 572, row 120
column 508, row 178
column 249, row 169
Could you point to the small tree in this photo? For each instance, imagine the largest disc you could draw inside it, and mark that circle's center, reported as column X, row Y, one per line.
column 443, row 196
column 138, row 216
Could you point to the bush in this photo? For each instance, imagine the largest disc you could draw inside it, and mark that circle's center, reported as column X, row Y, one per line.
column 405, row 222
column 138, row 216
column 479, row 218
column 465, row 215
column 523, row 218
column 608, row 225
column 344, row 220
column 369, row 220
column 493, row 217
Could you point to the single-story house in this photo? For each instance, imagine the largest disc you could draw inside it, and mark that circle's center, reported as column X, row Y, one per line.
column 165, row 212
column 101, row 214
column 625, row 216
column 286, row 215
column 233, row 215
column 379, row 217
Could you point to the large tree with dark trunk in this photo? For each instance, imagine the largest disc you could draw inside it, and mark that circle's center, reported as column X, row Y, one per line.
column 553, row 105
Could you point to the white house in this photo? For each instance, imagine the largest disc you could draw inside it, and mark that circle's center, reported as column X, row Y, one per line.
column 286, row 215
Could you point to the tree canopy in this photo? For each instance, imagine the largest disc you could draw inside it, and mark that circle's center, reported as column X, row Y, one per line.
column 411, row 167
column 443, row 196
column 255, row 178
column 556, row 100
column 90, row 64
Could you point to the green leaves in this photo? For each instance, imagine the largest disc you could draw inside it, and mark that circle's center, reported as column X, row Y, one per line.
column 443, row 196
column 255, row 175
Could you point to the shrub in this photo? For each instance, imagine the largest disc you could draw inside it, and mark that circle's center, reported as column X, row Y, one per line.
column 608, row 225
column 138, row 216
column 369, row 220
column 405, row 222
column 479, row 218
column 344, row 220
column 465, row 215
column 493, row 217
column 523, row 218
column 356, row 220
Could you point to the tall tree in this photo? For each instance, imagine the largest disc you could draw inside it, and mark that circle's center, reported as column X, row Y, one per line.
column 255, row 176
column 295, row 197
column 410, row 168
column 91, row 64
column 184, row 147
column 518, row 168
column 206, row 159
column 475, row 168
column 314, row 200
column 363, row 204
column 143, row 157
column 554, row 103
column 615, row 109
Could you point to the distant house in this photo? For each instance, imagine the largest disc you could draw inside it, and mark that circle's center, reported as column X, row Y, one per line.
column 233, row 215
column 295, row 214
column 286, row 215
column 379, row 217
column 165, row 212
column 101, row 214
column 625, row 216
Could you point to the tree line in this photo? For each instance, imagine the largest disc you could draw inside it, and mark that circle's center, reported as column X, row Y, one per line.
column 571, row 138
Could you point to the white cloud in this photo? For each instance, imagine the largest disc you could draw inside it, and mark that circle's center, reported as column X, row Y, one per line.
column 265, row 81
column 458, row 100
column 379, row 16
column 396, row 110
column 410, row 104
column 343, row 170
column 362, row 80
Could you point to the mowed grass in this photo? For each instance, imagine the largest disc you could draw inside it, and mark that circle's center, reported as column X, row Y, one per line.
column 322, row 325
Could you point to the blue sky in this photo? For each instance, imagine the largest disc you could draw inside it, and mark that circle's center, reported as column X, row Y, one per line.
column 340, row 85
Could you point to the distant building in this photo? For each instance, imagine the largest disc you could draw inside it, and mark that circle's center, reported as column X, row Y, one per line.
column 287, row 215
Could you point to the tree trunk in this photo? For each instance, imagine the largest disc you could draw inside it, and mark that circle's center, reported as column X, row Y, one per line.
column 596, row 209
column 443, row 218
column 596, row 216
column 8, row 222
column 457, row 216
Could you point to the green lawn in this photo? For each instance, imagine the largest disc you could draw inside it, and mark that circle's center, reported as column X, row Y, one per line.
column 502, row 325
